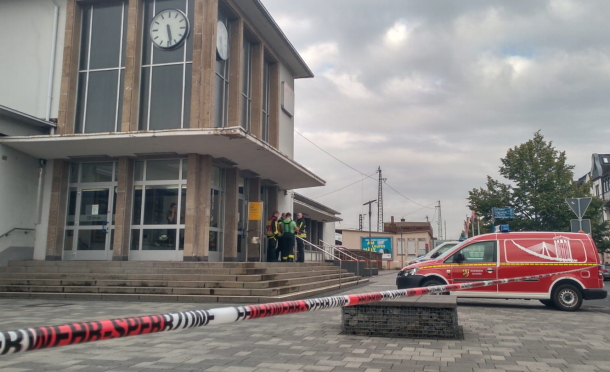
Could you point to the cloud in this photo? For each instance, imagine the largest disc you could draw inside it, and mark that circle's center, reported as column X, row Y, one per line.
column 436, row 95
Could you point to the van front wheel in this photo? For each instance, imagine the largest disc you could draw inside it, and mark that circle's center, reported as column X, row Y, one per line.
column 567, row 298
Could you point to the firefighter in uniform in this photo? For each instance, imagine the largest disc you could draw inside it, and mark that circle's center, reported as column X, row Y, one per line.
column 289, row 229
column 273, row 235
column 280, row 242
column 303, row 235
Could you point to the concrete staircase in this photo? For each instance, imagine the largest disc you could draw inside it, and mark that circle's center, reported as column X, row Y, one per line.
column 171, row 281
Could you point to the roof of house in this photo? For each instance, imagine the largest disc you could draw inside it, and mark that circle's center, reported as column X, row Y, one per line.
column 600, row 165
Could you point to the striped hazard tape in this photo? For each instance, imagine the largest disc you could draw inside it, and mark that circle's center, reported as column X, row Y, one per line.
column 37, row 338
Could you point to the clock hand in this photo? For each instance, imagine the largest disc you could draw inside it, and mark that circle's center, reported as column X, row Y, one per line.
column 169, row 34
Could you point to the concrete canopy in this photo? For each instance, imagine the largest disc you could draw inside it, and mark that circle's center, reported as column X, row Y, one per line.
column 233, row 144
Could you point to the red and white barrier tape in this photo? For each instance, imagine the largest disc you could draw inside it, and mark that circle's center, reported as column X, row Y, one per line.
column 76, row 333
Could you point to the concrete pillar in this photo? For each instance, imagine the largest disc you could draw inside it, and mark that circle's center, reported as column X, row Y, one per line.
column 197, row 216
column 124, row 206
column 133, row 52
column 231, row 203
column 258, row 60
column 255, row 228
column 57, row 210
column 236, row 43
column 69, row 71
column 202, row 104
column 274, row 105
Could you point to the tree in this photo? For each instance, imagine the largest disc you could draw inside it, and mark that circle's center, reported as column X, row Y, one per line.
column 539, row 182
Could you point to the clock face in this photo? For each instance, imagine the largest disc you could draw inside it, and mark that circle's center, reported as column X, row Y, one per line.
column 222, row 40
column 169, row 29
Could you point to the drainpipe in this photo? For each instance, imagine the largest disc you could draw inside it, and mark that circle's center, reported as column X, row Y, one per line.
column 52, row 63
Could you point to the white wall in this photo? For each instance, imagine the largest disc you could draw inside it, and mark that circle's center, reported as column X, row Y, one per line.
column 286, row 122
column 40, row 244
column 285, row 202
column 329, row 233
column 26, row 27
column 18, row 188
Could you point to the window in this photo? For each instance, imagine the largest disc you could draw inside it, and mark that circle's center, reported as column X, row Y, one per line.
column 101, row 68
column 596, row 190
column 421, row 246
column 159, row 205
column 477, row 253
column 246, row 91
column 217, row 202
column 221, row 87
column 165, row 93
column 605, row 160
column 266, row 93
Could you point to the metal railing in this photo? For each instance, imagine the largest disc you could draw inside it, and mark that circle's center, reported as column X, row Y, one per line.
column 337, row 258
column 334, row 247
column 26, row 230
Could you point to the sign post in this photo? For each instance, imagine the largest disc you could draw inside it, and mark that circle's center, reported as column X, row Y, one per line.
column 579, row 207
column 501, row 214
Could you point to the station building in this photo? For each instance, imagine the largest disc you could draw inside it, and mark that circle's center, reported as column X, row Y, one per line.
column 142, row 130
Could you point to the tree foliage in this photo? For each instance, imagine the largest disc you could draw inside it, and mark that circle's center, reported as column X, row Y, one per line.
column 539, row 181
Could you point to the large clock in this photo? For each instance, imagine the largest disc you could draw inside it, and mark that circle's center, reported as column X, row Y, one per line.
column 169, row 28
column 222, row 40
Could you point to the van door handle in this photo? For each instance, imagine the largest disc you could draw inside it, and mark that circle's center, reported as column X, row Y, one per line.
column 490, row 270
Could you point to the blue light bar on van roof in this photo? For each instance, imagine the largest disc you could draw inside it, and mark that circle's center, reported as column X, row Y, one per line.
column 504, row 228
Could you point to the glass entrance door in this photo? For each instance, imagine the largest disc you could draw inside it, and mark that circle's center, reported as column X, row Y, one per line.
column 92, row 212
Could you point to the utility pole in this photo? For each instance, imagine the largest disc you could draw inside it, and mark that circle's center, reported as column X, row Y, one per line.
column 370, row 244
column 440, row 221
column 380, row 202
column 445, row 229
column 360, row 220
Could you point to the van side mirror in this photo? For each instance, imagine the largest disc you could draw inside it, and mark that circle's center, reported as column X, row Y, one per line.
column 459, row 258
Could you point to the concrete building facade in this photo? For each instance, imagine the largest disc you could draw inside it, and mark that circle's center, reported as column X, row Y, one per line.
column 163, row 120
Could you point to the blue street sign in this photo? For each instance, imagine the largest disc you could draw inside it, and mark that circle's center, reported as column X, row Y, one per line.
column 504, row 213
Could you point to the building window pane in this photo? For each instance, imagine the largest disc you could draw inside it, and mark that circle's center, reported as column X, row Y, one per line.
column 96, row 172
column 221, row 88
column 158, row 239
column 183, row 204
column 214, row 243
column 215, row 200
column 135, row 240
column 157, row 204
column 71, row 214
column 166, row 74
column 69, row 240
column 166, row 97
column 160, row 170
column 266, row 92
column 102, row 58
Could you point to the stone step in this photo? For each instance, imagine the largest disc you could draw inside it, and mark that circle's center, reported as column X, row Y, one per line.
column 164, row 264
column 169, row 277
column 166, row 283
column 316, row 288
column 161, row 270
column 172, row 290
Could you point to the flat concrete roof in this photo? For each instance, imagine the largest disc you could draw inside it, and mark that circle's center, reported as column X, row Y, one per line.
column 23, row 118
column 312, row 212
column 233, row 144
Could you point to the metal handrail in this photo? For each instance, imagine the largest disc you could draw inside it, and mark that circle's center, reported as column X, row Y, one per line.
column 342, row 251
column 332, row 255
column 16, row 228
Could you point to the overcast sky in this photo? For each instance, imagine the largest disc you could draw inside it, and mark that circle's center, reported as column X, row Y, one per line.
column 436, row 92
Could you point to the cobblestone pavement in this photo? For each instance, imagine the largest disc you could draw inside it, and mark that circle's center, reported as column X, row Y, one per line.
column 498, row 335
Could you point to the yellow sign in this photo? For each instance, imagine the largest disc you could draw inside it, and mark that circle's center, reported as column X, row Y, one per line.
column 255, row 212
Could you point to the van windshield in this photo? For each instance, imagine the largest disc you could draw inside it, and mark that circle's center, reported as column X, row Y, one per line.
column 452, row 249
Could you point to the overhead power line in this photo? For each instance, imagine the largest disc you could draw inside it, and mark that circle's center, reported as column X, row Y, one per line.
column 354, row 169
column 344, row 187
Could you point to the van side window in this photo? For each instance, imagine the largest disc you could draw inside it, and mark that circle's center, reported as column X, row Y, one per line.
column 479, row 252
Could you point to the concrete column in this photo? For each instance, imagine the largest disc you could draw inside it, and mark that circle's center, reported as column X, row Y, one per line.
column 274, row 105
column 258, row 60
column 133, row 56
column 57, row 210
column 203, row 104
column 272, row 192
column 255, row 228
column 236, row 43
column 231, row 203
column 124, row 206
column 197, row 74
column 202, row 247
column 69, row 71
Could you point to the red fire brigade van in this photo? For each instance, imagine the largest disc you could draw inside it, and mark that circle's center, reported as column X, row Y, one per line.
column 517, row 254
